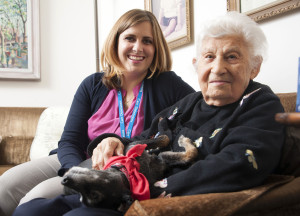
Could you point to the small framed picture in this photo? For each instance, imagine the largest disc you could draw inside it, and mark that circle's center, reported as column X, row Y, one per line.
column 174, row 17
column 20, row 40
column 262, row 9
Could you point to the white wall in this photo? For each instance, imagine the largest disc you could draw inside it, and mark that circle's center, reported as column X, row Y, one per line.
column 67, row 56
column 280, row 71
column 68, row 52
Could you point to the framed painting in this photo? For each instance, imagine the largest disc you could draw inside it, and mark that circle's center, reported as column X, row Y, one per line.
column 19, row 39
column 174, row 17
column 262, row 9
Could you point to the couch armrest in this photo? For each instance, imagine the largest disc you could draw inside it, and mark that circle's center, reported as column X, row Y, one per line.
column 219, row 203
column 17, row 129
column 14, row 150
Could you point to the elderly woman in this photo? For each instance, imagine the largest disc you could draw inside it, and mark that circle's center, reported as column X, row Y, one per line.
column 231, row 121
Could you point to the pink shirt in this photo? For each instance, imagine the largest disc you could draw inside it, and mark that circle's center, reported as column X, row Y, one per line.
column 106, row 119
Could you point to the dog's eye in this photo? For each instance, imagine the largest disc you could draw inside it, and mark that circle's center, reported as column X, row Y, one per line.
column 93, row 195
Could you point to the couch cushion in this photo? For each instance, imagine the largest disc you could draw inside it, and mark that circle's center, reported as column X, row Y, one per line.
column 49, row 130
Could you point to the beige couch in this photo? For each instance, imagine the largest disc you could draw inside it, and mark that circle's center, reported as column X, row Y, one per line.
column 22, row 135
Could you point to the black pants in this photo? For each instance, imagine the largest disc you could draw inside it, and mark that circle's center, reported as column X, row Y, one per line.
column 61, row 205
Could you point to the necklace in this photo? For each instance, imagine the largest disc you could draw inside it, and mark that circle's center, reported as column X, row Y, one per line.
column 127, row 103
column 129, row 100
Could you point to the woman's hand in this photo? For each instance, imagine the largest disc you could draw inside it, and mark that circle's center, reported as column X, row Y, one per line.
column 107, row 148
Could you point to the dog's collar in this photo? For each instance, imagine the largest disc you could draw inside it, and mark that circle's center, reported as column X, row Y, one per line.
column 122, row 168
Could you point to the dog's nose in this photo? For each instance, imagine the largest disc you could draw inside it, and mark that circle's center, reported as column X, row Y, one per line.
column 65, row 180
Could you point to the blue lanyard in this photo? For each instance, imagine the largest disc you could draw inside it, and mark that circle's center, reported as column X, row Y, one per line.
column 135, row 110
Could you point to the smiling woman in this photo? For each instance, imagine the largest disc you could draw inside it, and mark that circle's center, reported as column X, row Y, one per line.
column 228, row 58
column 135, row 84
column 136, row 52
column 224, row 69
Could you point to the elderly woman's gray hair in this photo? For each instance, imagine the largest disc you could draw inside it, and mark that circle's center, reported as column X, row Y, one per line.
column 234, row 23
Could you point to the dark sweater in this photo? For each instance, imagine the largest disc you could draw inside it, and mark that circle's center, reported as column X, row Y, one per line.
column 227, row 139
column 159, row 93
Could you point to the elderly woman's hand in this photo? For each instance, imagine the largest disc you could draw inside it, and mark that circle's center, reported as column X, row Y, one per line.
column 107, row 148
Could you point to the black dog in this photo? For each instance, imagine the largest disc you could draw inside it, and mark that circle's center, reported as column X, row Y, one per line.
column 110, row 188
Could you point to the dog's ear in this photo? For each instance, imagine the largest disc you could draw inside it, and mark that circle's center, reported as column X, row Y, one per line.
column 127, row 200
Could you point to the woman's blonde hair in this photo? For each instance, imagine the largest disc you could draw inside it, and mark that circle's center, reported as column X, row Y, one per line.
column 110, row 61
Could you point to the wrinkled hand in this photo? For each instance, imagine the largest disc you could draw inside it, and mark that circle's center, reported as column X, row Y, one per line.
column 107, row 148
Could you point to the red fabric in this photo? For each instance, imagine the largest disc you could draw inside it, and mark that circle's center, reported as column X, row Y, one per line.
column 139, row 185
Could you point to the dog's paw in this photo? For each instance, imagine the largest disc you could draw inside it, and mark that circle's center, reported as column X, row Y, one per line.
column 162, row 183
column 183, row 141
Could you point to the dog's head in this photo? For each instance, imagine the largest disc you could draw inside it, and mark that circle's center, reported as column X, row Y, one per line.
column 99, row 188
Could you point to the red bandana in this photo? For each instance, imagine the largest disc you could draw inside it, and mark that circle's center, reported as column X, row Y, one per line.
column 139, row 185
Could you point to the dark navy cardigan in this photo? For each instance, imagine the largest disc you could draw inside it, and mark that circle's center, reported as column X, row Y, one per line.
column 159, row 93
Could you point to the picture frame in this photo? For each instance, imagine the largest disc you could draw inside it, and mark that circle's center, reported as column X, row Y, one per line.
column 260, row 10
column 20, row 43
column 176, row 25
